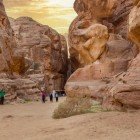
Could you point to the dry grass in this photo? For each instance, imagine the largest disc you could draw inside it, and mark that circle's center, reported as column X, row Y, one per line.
column 72, row 106
column 77, row 106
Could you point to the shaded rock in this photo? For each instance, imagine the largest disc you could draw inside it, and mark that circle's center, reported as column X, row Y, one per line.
column 134, row 23
column 21, row 88
column 127, row 93
column 32, row 56
column 119, row 19
column 127, row 88
column 10, row 63
column 96, row 8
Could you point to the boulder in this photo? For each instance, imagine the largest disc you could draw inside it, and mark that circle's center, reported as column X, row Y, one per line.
column 94, row 78
column 93, row 44
column 115, row 59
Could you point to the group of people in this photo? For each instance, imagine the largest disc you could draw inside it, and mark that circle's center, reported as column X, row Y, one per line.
column 2, row 95
column 52, row 95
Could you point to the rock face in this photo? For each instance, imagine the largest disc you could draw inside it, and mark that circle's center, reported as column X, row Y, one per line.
column 134, row 23
column 114, row 60
column 111, row 13
column 113, row 77
column 125, row 91
column 92, row 47
column 10, row 63
column 128, row 93
column 31, row 56
column 119, row 18
column 45, row 48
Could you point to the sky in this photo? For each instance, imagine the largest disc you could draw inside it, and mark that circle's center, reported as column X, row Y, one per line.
column 58, row 14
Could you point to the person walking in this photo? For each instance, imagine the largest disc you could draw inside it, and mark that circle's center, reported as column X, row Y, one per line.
column 43, row 96
column 2, row 97
column 56, row 96
column 51, row 97
column 53, row 93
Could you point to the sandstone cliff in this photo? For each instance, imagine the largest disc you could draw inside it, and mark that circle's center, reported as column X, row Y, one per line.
column 88, row 32
column 10, row 63
column 44, row 48
column 112, row 77
column 32, row 56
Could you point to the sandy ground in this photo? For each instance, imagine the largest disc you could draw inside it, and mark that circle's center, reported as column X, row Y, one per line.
column 33, row 121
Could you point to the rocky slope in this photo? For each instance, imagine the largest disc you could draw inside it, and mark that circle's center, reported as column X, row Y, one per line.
column 112, row 77
column 32, row 56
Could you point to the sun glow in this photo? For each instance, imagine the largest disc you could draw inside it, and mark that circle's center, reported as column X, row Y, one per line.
column 60, row 3
column 58, row 14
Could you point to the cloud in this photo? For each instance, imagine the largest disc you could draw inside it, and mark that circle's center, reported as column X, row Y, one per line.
column 58, row 14
column 20, row 3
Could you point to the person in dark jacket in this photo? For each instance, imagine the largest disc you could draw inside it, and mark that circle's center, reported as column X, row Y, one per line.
column 56, row 96
column 51, row 97
column 2, row 97
column 43, row 96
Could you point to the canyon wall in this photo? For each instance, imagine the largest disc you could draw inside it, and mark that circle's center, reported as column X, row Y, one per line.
column 32, row 57
column 44, row 48
column 89, row 32
column 104, row 52
column 10, row 63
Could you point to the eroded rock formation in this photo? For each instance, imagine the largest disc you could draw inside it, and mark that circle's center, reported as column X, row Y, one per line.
column 10, row 63
column 127, row 93
column 32, row 56
column 134, row 23
column 110, row 13
column 113, row 77
column 45, row 48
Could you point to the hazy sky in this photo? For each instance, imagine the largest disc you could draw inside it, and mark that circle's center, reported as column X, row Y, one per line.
column 56, row 13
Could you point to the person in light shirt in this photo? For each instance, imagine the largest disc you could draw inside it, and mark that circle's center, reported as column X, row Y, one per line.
column 55, row 95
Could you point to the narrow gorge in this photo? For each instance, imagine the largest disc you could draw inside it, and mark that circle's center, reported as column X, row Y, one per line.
column 104, row 41
column 76, row 84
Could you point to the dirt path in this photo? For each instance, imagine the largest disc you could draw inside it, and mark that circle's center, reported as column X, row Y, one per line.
column 33, row 121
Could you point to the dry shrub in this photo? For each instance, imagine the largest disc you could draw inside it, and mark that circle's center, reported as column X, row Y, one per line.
column 72, row 106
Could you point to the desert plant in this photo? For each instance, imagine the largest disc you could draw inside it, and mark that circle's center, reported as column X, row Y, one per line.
column 72, row 106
